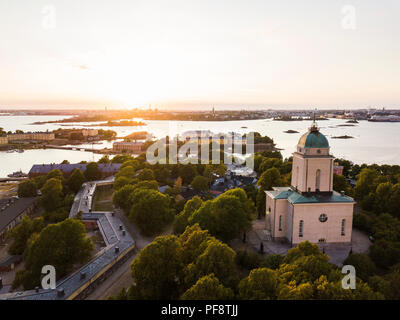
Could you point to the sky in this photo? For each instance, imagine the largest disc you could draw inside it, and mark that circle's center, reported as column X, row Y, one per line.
column 182, row 54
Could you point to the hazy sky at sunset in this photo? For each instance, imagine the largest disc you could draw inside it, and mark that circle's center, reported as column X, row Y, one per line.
column 170, row 53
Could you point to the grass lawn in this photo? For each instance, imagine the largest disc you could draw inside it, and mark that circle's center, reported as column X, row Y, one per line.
column 103, row 200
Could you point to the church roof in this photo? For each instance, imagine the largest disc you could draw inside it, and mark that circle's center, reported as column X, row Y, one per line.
column 297, row 198
column 313, row 139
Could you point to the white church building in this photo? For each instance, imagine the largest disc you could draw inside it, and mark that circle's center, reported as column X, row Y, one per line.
column 310, row 209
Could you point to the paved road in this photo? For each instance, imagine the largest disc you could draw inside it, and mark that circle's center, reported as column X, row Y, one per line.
column 121, row 278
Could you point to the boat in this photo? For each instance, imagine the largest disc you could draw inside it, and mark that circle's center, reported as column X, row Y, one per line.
column 389, row 118
column 17, row 174
column 20, row 150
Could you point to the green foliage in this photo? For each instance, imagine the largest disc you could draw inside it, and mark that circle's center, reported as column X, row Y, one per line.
column 22, row 232
column 261, row 284
column 365, row 267
column 61, row 245
column 226, row 216
column 248, row 260
column 52, row 194
column 385, row 253
column 157, row 270
column 75, row 180
column 123, row 181
column 146, row 174
column 150, row 211
column 181, row 220
column 27, row 189
column 208, row 288
column 127, row 172
column 270, row 178
column 146, row 184
column 200, row 183
column 187, row 173
column 121, row 158
column 56, row 173
column 273, row 261
column 104, row 159
column 340, row 184
column 121, row 197
column 366, row 183
column 92, row 171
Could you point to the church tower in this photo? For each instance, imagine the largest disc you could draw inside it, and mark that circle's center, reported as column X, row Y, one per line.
column 312, row 170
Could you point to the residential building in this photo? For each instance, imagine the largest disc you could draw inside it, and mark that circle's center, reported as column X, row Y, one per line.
column 12, row 211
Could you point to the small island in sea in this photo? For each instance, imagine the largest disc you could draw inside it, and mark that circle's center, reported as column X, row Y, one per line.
column 343, row 137
column 290, row 131
column 122, row 123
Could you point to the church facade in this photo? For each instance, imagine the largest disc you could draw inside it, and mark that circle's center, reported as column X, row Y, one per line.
column 310, row 209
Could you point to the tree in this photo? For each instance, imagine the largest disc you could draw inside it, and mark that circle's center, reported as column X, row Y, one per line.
column 92, row 171
column 121, row 158
column 261, row 284
column 157, row 269
column 146, row 174
column 365, row 267
column 75, row 180
column 127, row 172
column 27, row 189
column 366, row 183
column 270, row 178
column 273, row 261
column 217, row 258
column 187, row 173
column 385, row 253
column 224, row 217
column 104, row 159
column 52, row 195
column 394, row 200
column 123, row 181
column 382, row 195
column 181, row 220
column 200, row 183
column 147, row 184
column 21, row 233
column 208, row 288
column 60, row 245
column 121, row 197
column 340, row 183
column 56, row 173
column 150, row 211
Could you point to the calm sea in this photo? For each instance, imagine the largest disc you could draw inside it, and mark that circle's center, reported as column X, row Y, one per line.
column 374, row 142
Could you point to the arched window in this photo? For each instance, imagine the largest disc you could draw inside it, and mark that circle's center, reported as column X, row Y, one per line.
column 301, row 225
column 317, row 180
column 343, row 227
column 280, row 223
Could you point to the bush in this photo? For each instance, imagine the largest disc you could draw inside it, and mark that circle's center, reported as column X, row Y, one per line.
column 273, row 261
column 248, row 260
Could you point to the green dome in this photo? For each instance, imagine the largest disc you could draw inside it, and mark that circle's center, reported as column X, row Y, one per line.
column 313, row 139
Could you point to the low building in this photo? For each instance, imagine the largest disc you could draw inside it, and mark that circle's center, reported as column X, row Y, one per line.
column 12, row 211
column 128, row 147
column 90, row 132
column 106, row 169
column 36, row 136
column 337, row 169
column 3, row 140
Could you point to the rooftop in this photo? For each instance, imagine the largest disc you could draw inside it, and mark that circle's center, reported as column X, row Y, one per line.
column 295, row 197
column 12, row 208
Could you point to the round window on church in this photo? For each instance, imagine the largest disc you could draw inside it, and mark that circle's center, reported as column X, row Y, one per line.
column 323, row 217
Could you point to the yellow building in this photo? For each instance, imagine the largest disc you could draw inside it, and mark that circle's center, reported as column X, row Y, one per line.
column 310, row 209
column 129, row 147
column 37, row 136
column 3, row 140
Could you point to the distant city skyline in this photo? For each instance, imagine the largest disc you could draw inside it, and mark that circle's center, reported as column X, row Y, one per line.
column 186, row 55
